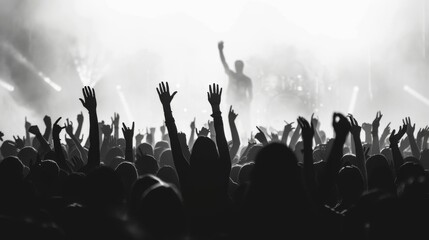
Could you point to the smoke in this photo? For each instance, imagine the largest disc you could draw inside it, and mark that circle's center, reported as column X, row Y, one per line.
column 303, row 57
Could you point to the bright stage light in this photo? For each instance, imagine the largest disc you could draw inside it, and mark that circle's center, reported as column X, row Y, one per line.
column 353, row 99
column 124, row 103
column 417, row 95
column 49, row 82
column 7, row 86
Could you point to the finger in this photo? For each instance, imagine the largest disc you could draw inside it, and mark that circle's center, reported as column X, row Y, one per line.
column 81, row 100
column 123, row 125
column 259, row 129
column 388, row 125
column 230, row 108
column 210, row 89
column 220, row 92
column 168, row 87
column 172, row 95
column 93, row 93
column 157, row 90
column 56, row 122
column 132, row 127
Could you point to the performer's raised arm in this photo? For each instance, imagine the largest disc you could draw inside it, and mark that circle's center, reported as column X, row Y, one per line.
column 222, row 57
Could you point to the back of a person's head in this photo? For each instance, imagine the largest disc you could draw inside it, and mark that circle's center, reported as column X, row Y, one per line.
column 128, row 174
column 275, row 164
column 49, row 171
column 27, row 155
column 145, row 148
column 146, row 164
column 349, row 159
column 73, row 187
column 235, row 169
column 239, row 66
column 162, row 212
column 166, row 158
column 424, row 159
column 411, row 180
column 350, row 182
column 253, row 151
column 379, row 173
column 168, row 175
column 8, row 148
column 111, row 154
column 11, row 169
column 204, row 154
column 245, row 173
column 162, row 144
column 116, row 161
column 139, row 187
column 103, row 188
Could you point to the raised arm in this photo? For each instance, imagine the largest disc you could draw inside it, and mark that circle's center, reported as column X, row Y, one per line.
column 307, row 136
column 79, row 119
column 60, row 158
column 90, row 103
column 77, row 143
column 44, row 145
column 295, row 137
column 214, row 98
column 384, row 135
column 360, row 155
column 128, row 136
column 27, row 126
column 222, row 57
column 410, row 133
column 182, row 166
column 286, row 131
column 394, row 140
column 192, row 135
column 48, row 128
column 316, row 124
column 234, row 133
column 341, row 127
column 115, row 123
column 375, row 140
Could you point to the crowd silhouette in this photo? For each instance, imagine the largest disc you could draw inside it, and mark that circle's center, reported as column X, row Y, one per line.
column 298, row 184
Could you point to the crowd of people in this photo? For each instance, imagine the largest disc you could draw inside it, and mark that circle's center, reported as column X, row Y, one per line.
column 297, row 184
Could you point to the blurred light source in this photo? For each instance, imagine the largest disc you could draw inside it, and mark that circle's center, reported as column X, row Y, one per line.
column 415, row 94
column 124, row 103
column 50, row 82
column 353, row 99
column 7, row 86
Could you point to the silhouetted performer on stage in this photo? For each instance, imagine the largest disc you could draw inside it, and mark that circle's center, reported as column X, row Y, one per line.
column 239, row 92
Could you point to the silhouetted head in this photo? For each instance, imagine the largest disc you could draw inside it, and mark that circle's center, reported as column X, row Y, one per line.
column 128, row 175
column 139, row 187
column 411, row 180
column 253, row 151
column 379, row 174
column 146, row 164
column 73, row 187
column 103, row 188
column 234, row 172
column 116, row 161
column 162, row 212
column 166, row 158
column 239, row 66
column 245, row 173
column 168, row 175
column 111, row 154
column 276, row 166
column 11, row 169
column 8, row 149
column 424, row 159
column 27, row 155
column 350, row 183
column 349, row 159
column 145, row 148
column 204, row 155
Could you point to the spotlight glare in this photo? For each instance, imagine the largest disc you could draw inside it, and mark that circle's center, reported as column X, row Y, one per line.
column 415, row 94
column 7, row 86
column 353, row 99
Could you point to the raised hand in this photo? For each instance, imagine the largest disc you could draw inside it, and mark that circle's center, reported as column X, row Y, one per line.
column 288, row 127
column 355, row 129
column 260, row 136
column 341, row 125
column 115, row 120
column 220, row 45
column 410, row 127
column 214, row 95
column 128, row 132
column 90, row 101
column 366, row 127
column 19, row 143
column 34, row 129
column 164, row 93
column 79, row 118
column 232, row 115
column 376, row 122
column 27, row 124
column 182, row 138
column 315, row 122
column 106, row 130
column 386, row 130
column 396, row 137
column 192, row 125
column 139, row 138
column 203, row 132
column 47, row 121
column 307, row 129
column 56, row 129
column 69, row 127
column 162, row 129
